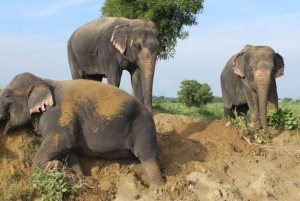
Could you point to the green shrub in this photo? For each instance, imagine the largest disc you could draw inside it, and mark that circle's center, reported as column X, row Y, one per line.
column 53, row 185
column 282, row 118
column 244, row 128
column 242, row 123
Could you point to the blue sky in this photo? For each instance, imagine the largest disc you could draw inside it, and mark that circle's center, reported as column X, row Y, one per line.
column 34, row 35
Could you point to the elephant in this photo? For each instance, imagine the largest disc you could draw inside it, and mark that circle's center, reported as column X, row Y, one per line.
column 103, row 48
column 72, row 121
column 248, row 83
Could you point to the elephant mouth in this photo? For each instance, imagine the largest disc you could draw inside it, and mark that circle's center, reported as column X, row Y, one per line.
column 4, row 119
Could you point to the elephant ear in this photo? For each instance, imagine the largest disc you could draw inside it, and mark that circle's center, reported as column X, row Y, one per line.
column 279, row 66
column 119, row 37
column 238, row 66
column 39, row 98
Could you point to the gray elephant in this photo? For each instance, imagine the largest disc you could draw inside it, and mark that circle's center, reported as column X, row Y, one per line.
column 107, row 46
column 72, row 120
column 248, row 83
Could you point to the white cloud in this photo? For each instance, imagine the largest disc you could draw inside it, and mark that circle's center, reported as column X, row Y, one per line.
column 53, row 9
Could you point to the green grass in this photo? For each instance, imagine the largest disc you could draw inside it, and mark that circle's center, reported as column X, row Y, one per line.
column 294, row 106
column 211, row 111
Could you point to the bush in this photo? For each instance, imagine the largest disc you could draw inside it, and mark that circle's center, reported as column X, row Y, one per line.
column 282, row 118
column 53, row 185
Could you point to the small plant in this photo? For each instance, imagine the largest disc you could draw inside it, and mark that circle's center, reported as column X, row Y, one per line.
column 258, row 139
column 240, row 122
column 282, row 118
column 53, row 185
column 244, row 128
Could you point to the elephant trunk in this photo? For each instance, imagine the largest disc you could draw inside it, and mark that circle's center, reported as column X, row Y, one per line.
column 3, row 112
column 147, row 73
column 262, row 78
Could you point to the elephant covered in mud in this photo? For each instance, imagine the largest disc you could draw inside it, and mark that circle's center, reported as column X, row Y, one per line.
column 73, row 120
column 107, row 46
column 248, row 83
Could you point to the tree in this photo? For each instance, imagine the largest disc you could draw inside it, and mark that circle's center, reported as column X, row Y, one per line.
column 193, row 93
column 169, row 16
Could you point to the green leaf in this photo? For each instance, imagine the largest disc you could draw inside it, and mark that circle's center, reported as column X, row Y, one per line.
column 76, row 186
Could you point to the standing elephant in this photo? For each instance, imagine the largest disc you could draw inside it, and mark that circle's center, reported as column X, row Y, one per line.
column 248, row 83
column 107, row 46
column 72, row 120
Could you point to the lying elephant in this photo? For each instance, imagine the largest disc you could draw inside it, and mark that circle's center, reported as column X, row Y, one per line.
column 81, row 117
column 248, row 83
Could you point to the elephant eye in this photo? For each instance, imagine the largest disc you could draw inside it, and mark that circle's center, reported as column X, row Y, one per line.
column 251, row 71
column 138, row 46
column 7, row 96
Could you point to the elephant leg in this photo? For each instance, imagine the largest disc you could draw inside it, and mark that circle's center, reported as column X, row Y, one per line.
column 74, row 65
column 272, row 103
column 136, row 83
column 252, row 100
column 146, row 148
column 73, row 162
column 114, row 75
column 48, row 154
column 228, row 112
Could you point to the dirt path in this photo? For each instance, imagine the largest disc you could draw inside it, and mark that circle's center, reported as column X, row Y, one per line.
column 200, row 160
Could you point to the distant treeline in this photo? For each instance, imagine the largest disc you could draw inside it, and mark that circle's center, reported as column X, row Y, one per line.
column 163, row 99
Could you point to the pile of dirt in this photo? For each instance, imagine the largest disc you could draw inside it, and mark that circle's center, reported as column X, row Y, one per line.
column 200, row 160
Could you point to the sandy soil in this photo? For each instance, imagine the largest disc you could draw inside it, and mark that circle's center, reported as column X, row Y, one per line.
column 200, row 160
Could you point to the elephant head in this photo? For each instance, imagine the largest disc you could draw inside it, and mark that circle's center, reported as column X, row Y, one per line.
column 26, row 94
column 138, row 42
column 258, row 66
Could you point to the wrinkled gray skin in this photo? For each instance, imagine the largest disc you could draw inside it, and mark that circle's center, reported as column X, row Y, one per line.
column 248, row 83
column 72, row 120
column 107, row 46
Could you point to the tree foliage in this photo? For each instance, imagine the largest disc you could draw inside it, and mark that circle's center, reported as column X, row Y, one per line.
column 192, row 93
column 169, row 16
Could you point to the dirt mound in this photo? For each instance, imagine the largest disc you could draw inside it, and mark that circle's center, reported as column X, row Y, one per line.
column 200, row 160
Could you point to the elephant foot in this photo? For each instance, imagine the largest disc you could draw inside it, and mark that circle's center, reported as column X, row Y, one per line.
column 154, row 175
column 255, row 125
column 77, row 168
column 53, row 165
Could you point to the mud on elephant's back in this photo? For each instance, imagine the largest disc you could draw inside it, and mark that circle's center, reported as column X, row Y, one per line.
column 108, row 101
